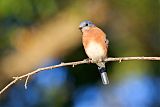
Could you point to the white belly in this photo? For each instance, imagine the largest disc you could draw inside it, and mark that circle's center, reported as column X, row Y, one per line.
column 95, row 51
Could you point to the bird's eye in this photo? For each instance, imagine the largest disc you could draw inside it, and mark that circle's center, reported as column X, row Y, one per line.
column 86, row 24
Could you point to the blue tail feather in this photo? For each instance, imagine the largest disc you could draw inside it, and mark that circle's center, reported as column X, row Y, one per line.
column 104, row 76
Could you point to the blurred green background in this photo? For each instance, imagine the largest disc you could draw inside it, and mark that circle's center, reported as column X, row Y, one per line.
column 39, row 33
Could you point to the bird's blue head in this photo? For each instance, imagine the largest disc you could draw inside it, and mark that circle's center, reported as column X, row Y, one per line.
column 86, row 24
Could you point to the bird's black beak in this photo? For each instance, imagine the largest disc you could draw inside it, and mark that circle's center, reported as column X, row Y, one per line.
column 80, row 28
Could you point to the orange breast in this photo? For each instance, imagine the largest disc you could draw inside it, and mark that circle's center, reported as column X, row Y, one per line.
column 94, row 34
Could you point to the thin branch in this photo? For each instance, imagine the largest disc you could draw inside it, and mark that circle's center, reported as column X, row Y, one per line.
column 73, row 64
column 25, row 85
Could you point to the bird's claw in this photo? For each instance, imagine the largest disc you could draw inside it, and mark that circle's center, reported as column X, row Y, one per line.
column 88, row 60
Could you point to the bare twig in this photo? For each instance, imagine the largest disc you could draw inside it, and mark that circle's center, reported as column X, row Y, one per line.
column 120, row 59
column 25, row 85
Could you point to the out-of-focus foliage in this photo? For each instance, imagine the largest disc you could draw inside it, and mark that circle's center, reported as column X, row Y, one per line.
column 34, row 33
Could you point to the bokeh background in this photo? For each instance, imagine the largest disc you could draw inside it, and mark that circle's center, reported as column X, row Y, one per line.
column 39, row 33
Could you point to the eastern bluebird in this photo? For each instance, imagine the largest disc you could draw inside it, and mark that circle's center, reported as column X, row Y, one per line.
column 95, row 45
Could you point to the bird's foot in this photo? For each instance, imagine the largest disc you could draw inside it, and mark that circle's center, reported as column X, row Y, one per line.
column 88, row 60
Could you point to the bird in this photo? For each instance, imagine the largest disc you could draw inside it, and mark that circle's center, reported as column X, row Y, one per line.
column 95, row 45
